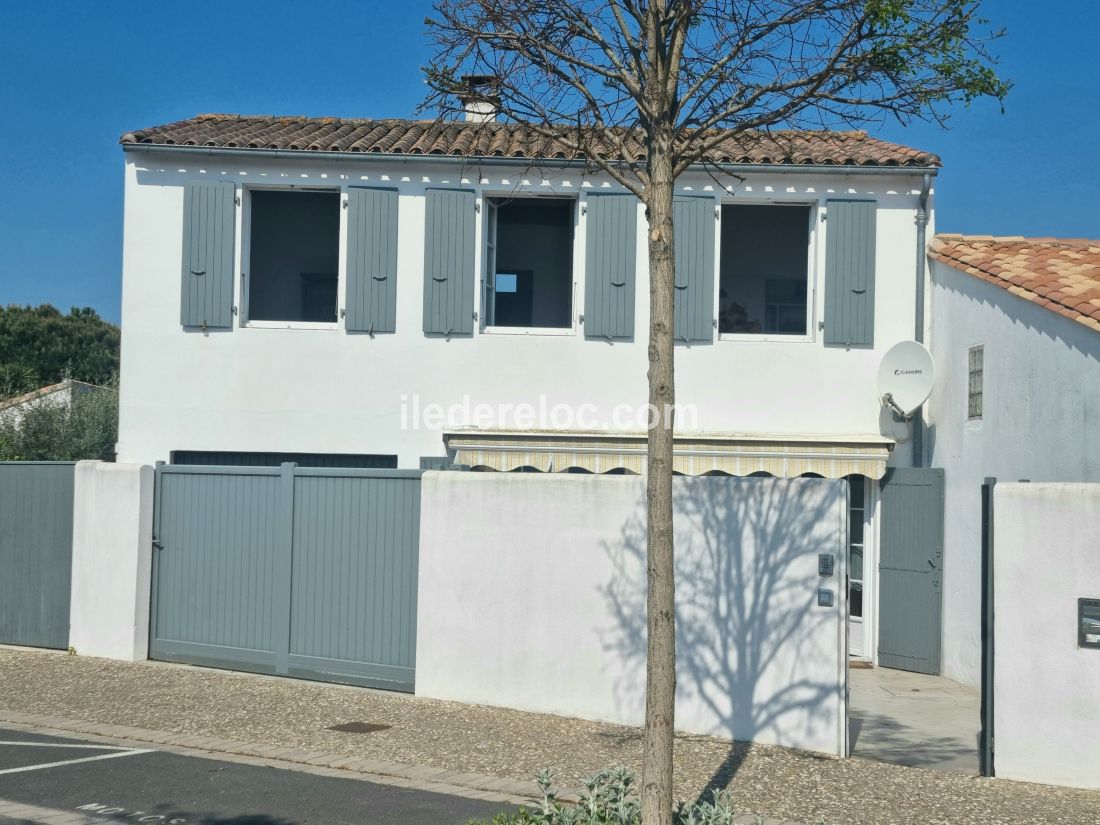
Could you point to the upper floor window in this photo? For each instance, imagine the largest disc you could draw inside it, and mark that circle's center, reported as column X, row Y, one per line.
column 764, row 283
column 528, row 279
column 975, row 381
column 294, row 256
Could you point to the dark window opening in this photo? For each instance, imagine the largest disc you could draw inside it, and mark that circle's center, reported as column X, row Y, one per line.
column 294, row 256
column 529, row 263
column 258, row 459
column 764, row 272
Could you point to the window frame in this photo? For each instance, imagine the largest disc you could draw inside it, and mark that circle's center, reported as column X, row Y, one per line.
column 484, row 199
column 971, row 394
column 244, row 279
column 815, row 210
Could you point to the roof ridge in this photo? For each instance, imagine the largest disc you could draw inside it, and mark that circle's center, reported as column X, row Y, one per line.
column 1033, row 240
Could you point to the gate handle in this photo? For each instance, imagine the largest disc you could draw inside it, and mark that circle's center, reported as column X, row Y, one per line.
column 157, row 545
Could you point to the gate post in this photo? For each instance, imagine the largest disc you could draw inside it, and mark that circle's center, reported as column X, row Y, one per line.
column 987, row 627
column 112, row 560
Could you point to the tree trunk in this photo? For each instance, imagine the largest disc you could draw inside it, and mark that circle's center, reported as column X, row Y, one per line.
column 660, row 598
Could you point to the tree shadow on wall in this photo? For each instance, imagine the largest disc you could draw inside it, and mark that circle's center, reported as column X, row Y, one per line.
column 748, row 628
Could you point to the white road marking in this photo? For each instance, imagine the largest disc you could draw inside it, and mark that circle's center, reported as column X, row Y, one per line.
column 68, row 745
column 114, row 755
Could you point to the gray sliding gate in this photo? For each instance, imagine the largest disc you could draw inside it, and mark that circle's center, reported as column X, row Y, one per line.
column 36, row 552
column 308, row 572
column 911, row 569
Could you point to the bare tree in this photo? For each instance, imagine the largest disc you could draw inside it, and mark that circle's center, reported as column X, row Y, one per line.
column 643, row 90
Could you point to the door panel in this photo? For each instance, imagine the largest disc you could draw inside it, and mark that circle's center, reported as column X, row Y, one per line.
column 911, row 570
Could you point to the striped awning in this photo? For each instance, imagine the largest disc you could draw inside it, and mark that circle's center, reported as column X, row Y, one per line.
column 739, row 455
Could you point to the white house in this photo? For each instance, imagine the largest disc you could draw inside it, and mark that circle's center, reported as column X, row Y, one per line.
column 59, row 395
column 384, row 293
column 1016, row 337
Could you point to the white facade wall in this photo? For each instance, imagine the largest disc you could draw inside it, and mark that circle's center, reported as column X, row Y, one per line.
column 1041, row 408
column 289, row 387
column 1046, row 687
column 532, row 596
column 112, row 560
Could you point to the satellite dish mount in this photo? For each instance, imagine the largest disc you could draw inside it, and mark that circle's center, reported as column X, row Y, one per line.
column 905, row 378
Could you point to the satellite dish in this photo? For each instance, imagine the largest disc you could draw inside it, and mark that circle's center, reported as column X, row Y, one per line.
column 905, row 376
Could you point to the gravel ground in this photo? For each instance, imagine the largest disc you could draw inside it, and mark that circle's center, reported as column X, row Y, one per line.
column 773, row 781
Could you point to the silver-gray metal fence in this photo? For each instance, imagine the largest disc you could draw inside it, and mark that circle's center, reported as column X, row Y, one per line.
column 308, row 572
column 36, row 552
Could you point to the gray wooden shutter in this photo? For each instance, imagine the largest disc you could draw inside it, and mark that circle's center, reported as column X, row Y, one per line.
column 449, row 261
column 372, row 260
column 694, row 239
column 611, row 237
column 850, row 273
column 209, row 233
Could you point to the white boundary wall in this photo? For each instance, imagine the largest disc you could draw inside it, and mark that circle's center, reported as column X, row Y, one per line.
column 532, row 596
column 1046, row 540
column 112, row 558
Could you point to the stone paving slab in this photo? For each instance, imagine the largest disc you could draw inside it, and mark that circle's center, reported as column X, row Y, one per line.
column 497, row 743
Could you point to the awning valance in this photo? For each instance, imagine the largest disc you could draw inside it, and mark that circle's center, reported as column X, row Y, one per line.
column 739, row 455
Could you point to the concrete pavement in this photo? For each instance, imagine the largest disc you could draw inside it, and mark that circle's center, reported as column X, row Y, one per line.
column 914, row 720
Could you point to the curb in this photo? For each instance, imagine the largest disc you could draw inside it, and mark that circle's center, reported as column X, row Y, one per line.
column 419, row 777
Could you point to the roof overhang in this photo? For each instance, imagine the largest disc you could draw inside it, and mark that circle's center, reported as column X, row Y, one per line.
column 538, row 163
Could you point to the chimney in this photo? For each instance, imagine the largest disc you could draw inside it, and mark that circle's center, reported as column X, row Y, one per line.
column 477, row 98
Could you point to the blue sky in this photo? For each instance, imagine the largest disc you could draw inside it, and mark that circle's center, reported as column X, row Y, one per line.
column 76, row 75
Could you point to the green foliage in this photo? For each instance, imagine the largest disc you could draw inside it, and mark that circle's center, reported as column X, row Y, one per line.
column 608, row 798
column 46, row 430
column 80, row 345
column 17, row 379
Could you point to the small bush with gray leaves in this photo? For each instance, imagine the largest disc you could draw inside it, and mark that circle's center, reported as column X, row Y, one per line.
column 608, row 798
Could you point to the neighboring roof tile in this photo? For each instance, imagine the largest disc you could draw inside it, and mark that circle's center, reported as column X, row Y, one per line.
column 42, row 392
column 504, row 140
column 1059, row 274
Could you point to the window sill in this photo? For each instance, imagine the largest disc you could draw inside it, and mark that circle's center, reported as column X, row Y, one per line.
column 765, row 338
column 290, row 325
column 549, row 331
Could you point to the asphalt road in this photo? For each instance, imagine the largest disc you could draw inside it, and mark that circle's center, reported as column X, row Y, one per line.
column 185, row 790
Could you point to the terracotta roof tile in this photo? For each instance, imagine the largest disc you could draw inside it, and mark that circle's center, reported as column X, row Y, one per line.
column 505, row 140
column 1062, row 275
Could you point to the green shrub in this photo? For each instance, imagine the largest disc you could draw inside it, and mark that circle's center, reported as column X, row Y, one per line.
column 608, row 798
column 44, row 430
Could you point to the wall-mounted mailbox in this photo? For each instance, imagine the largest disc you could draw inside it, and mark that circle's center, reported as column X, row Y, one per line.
column 1088, row 623
column 825, row 563
column 824, row 597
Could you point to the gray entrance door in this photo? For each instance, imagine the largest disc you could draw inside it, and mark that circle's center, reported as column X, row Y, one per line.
column 36, row 552
column 911, row 569
column 308, row 572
